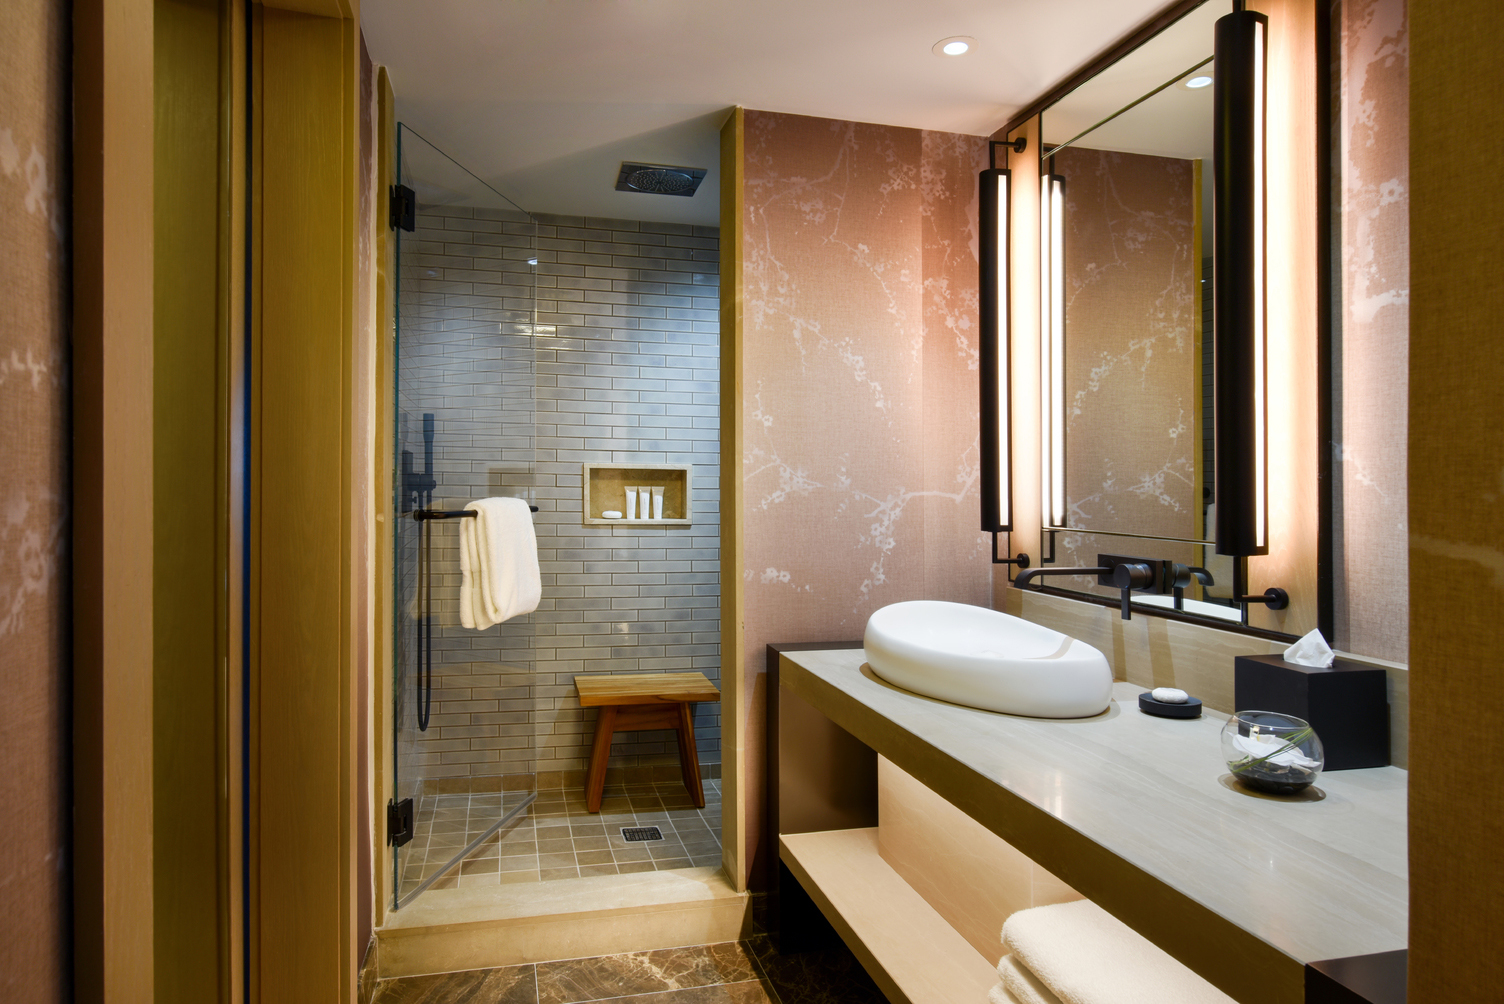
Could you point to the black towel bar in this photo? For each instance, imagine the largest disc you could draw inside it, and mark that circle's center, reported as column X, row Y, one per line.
column 425, row 514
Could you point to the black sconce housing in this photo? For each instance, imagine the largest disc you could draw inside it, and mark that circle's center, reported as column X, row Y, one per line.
column 993, row 355
column 1241, row 318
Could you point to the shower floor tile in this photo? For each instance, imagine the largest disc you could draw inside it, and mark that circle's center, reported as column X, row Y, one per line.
column 442, row 827
column 559, row 838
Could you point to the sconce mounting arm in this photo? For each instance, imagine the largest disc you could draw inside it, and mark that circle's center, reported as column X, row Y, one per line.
column 1275, row 597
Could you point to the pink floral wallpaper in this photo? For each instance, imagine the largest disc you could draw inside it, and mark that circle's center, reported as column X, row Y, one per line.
column 860, row 463
column 1371, row 515
column 34, row 496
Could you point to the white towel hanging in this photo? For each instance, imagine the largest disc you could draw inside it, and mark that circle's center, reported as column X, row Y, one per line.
column 499, row 575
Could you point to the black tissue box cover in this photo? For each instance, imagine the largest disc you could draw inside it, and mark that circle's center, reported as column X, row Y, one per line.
column 1347, row 704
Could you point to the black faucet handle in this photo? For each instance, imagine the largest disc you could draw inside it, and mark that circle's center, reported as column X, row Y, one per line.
column 1128, row 576
column 1132, row 575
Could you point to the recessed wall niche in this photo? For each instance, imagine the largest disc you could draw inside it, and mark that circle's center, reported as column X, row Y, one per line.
column 605, row 489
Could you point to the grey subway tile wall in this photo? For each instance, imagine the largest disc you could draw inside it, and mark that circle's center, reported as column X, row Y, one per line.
column 617, row 362
column 465, row 357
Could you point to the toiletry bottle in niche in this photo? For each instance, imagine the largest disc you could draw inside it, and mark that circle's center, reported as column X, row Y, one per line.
column 631, row 502
column 658, row 502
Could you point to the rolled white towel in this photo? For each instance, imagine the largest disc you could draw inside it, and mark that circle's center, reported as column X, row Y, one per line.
column 1084, row 955
column 1020, row 985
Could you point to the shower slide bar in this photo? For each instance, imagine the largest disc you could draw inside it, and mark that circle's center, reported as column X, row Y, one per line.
column 425, row 623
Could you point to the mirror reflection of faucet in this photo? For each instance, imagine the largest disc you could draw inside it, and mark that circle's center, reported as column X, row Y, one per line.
column 1178, row 577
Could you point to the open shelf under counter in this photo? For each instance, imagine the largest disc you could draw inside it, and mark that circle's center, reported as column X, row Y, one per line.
column 912, row 953
column 1137, row 814
column 604, row 490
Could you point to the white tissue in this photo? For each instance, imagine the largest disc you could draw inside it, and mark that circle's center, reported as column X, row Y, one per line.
column 1272, row 749
column 1169, row 695
column 1312, row 650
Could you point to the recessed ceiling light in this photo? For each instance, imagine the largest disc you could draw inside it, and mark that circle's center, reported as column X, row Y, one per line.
column 1196, row 83
column 956, row 45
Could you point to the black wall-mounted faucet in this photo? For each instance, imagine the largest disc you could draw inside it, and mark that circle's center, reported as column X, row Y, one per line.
column 1126, row 576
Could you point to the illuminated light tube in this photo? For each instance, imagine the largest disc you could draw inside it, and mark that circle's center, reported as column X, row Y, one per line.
column 994, row 354
column 1052, row 346
column 1241, row 377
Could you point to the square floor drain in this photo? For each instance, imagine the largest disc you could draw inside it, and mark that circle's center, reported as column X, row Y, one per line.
column 632, row 834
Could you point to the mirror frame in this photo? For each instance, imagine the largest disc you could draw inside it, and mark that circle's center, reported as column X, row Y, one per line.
column 1127, row 45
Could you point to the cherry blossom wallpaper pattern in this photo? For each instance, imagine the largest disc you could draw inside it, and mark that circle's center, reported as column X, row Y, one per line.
column 34, row 497
column 1370, row 512
column 860, row 465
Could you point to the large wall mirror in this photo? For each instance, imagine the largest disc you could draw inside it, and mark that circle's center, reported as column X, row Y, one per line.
column 1127, row 314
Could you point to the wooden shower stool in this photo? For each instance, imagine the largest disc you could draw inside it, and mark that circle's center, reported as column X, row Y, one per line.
column 634, row 701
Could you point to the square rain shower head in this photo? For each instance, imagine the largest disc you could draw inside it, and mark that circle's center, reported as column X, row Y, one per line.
column 659, row 179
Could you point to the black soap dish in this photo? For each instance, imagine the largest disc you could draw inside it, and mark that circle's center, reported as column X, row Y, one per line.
column 1160, row 709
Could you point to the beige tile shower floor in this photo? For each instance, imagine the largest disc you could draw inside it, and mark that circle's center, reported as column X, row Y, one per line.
column 558, row 838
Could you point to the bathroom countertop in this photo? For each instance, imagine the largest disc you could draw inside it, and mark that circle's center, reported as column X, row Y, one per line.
column 1141, row 815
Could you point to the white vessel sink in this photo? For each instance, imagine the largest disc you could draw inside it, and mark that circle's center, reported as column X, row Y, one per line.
column 986, row 659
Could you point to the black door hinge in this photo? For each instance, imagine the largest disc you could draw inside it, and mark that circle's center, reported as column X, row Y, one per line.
column 402, row 211
column 399, row 822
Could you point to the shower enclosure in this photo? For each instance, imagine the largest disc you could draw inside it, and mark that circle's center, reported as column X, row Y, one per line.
column 464, row 747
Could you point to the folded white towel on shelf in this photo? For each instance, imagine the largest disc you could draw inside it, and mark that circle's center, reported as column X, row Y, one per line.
column 1084, row 955
column 1020, row 986
column 999, row 995
column 499, row 576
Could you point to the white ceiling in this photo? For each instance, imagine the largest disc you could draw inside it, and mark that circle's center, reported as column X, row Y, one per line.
column 543, row 99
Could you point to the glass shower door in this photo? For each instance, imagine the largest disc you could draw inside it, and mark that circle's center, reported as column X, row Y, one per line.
column 464, row 743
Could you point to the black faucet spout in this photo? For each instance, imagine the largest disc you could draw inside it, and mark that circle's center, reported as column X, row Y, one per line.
column 1024, row 578
column 1127, row 577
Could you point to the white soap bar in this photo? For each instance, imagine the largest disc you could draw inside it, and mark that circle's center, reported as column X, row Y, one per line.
column 1169, row 695
column 610, row 514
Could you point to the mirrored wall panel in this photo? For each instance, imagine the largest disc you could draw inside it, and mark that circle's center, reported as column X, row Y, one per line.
column 1129, row 418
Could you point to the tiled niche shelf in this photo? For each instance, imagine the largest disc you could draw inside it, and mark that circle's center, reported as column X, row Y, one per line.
column 605, row 487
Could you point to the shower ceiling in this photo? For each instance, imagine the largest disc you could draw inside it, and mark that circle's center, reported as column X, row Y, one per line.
column 545, row 100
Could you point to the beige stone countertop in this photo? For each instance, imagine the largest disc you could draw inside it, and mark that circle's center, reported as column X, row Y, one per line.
column 1140, row 814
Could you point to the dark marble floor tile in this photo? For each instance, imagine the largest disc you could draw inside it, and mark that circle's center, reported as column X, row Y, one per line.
column 513, row 985
column 674, row 969
column 747, row 992
column 829, row 976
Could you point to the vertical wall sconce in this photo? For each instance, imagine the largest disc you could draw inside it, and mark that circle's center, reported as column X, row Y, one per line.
column 1241, row 377
column 995, row 352
column 1052, row 346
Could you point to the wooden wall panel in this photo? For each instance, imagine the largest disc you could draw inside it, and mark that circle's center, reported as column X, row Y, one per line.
column 385, row 345
column 198, row 306
column 734, row 727
column 112, row 500
column 302, row 302
column 1456, row 482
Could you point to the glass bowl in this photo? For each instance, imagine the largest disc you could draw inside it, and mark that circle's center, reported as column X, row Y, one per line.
column 1271, row 752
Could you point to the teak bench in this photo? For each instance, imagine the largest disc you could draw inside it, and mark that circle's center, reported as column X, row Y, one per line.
column 633, row 701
